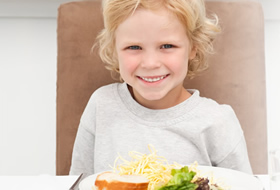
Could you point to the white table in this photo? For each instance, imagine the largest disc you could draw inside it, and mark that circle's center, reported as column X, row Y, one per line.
column 48, row 182
column 265, row 181
column 41, row 182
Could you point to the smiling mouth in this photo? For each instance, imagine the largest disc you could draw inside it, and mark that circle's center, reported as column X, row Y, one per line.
column 153, row 79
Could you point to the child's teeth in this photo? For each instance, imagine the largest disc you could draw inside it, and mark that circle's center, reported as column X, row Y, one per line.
column 152, row 79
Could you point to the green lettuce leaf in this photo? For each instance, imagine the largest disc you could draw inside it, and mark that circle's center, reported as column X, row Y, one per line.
column 181, row 180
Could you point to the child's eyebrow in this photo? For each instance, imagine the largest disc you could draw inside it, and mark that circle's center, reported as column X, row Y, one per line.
column 124, row 44
column 130, row 41
column 170, row 41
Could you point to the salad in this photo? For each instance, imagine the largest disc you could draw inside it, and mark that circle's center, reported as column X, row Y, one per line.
column 183, row 179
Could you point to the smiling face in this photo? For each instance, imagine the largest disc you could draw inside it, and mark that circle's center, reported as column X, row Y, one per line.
column 153, row 52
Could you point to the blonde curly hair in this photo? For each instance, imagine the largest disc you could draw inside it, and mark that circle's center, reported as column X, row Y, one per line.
column 201, row 30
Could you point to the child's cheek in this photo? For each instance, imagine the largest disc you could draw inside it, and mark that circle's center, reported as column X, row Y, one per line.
column 129, row 61
column 176, row 62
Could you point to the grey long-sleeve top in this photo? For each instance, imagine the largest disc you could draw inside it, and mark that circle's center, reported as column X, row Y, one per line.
column 198, row 129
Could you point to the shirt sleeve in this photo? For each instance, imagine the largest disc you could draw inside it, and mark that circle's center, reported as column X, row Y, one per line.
column 83, row 150
column 226, row 143
column 83, row 155
column 238, row 158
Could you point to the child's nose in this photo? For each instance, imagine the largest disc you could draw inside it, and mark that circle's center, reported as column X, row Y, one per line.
column 150, row 60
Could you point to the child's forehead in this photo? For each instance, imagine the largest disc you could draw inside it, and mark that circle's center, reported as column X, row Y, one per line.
column 149, row 23
column 162, row 15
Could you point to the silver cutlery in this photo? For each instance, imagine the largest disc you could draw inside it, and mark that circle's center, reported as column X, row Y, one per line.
column 76, row 183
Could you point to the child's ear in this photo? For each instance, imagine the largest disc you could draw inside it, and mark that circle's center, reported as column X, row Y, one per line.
column 192, row 53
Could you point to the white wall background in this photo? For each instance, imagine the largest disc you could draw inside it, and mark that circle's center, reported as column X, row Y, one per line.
column 272, row 48
column 28, row 83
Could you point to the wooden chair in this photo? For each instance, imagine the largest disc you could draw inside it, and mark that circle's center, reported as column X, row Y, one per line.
column 236, row 75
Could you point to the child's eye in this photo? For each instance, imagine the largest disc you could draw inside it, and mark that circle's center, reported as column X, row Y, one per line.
column 167, row 46
column 134, row 47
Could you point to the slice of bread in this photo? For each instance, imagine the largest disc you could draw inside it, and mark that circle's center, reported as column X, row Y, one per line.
column 113, row 181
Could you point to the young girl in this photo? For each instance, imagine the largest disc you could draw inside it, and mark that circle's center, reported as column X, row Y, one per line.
column 154, row 45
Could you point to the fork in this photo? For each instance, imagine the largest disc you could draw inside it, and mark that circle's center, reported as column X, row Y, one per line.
column 75, row 184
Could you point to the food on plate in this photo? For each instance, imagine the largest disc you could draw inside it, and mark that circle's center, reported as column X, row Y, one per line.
column 113, row 181
column 151, row 166
column 183, row 179
column 162, row 175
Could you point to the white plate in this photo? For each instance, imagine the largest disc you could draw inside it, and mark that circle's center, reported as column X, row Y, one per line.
column 234, row 179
